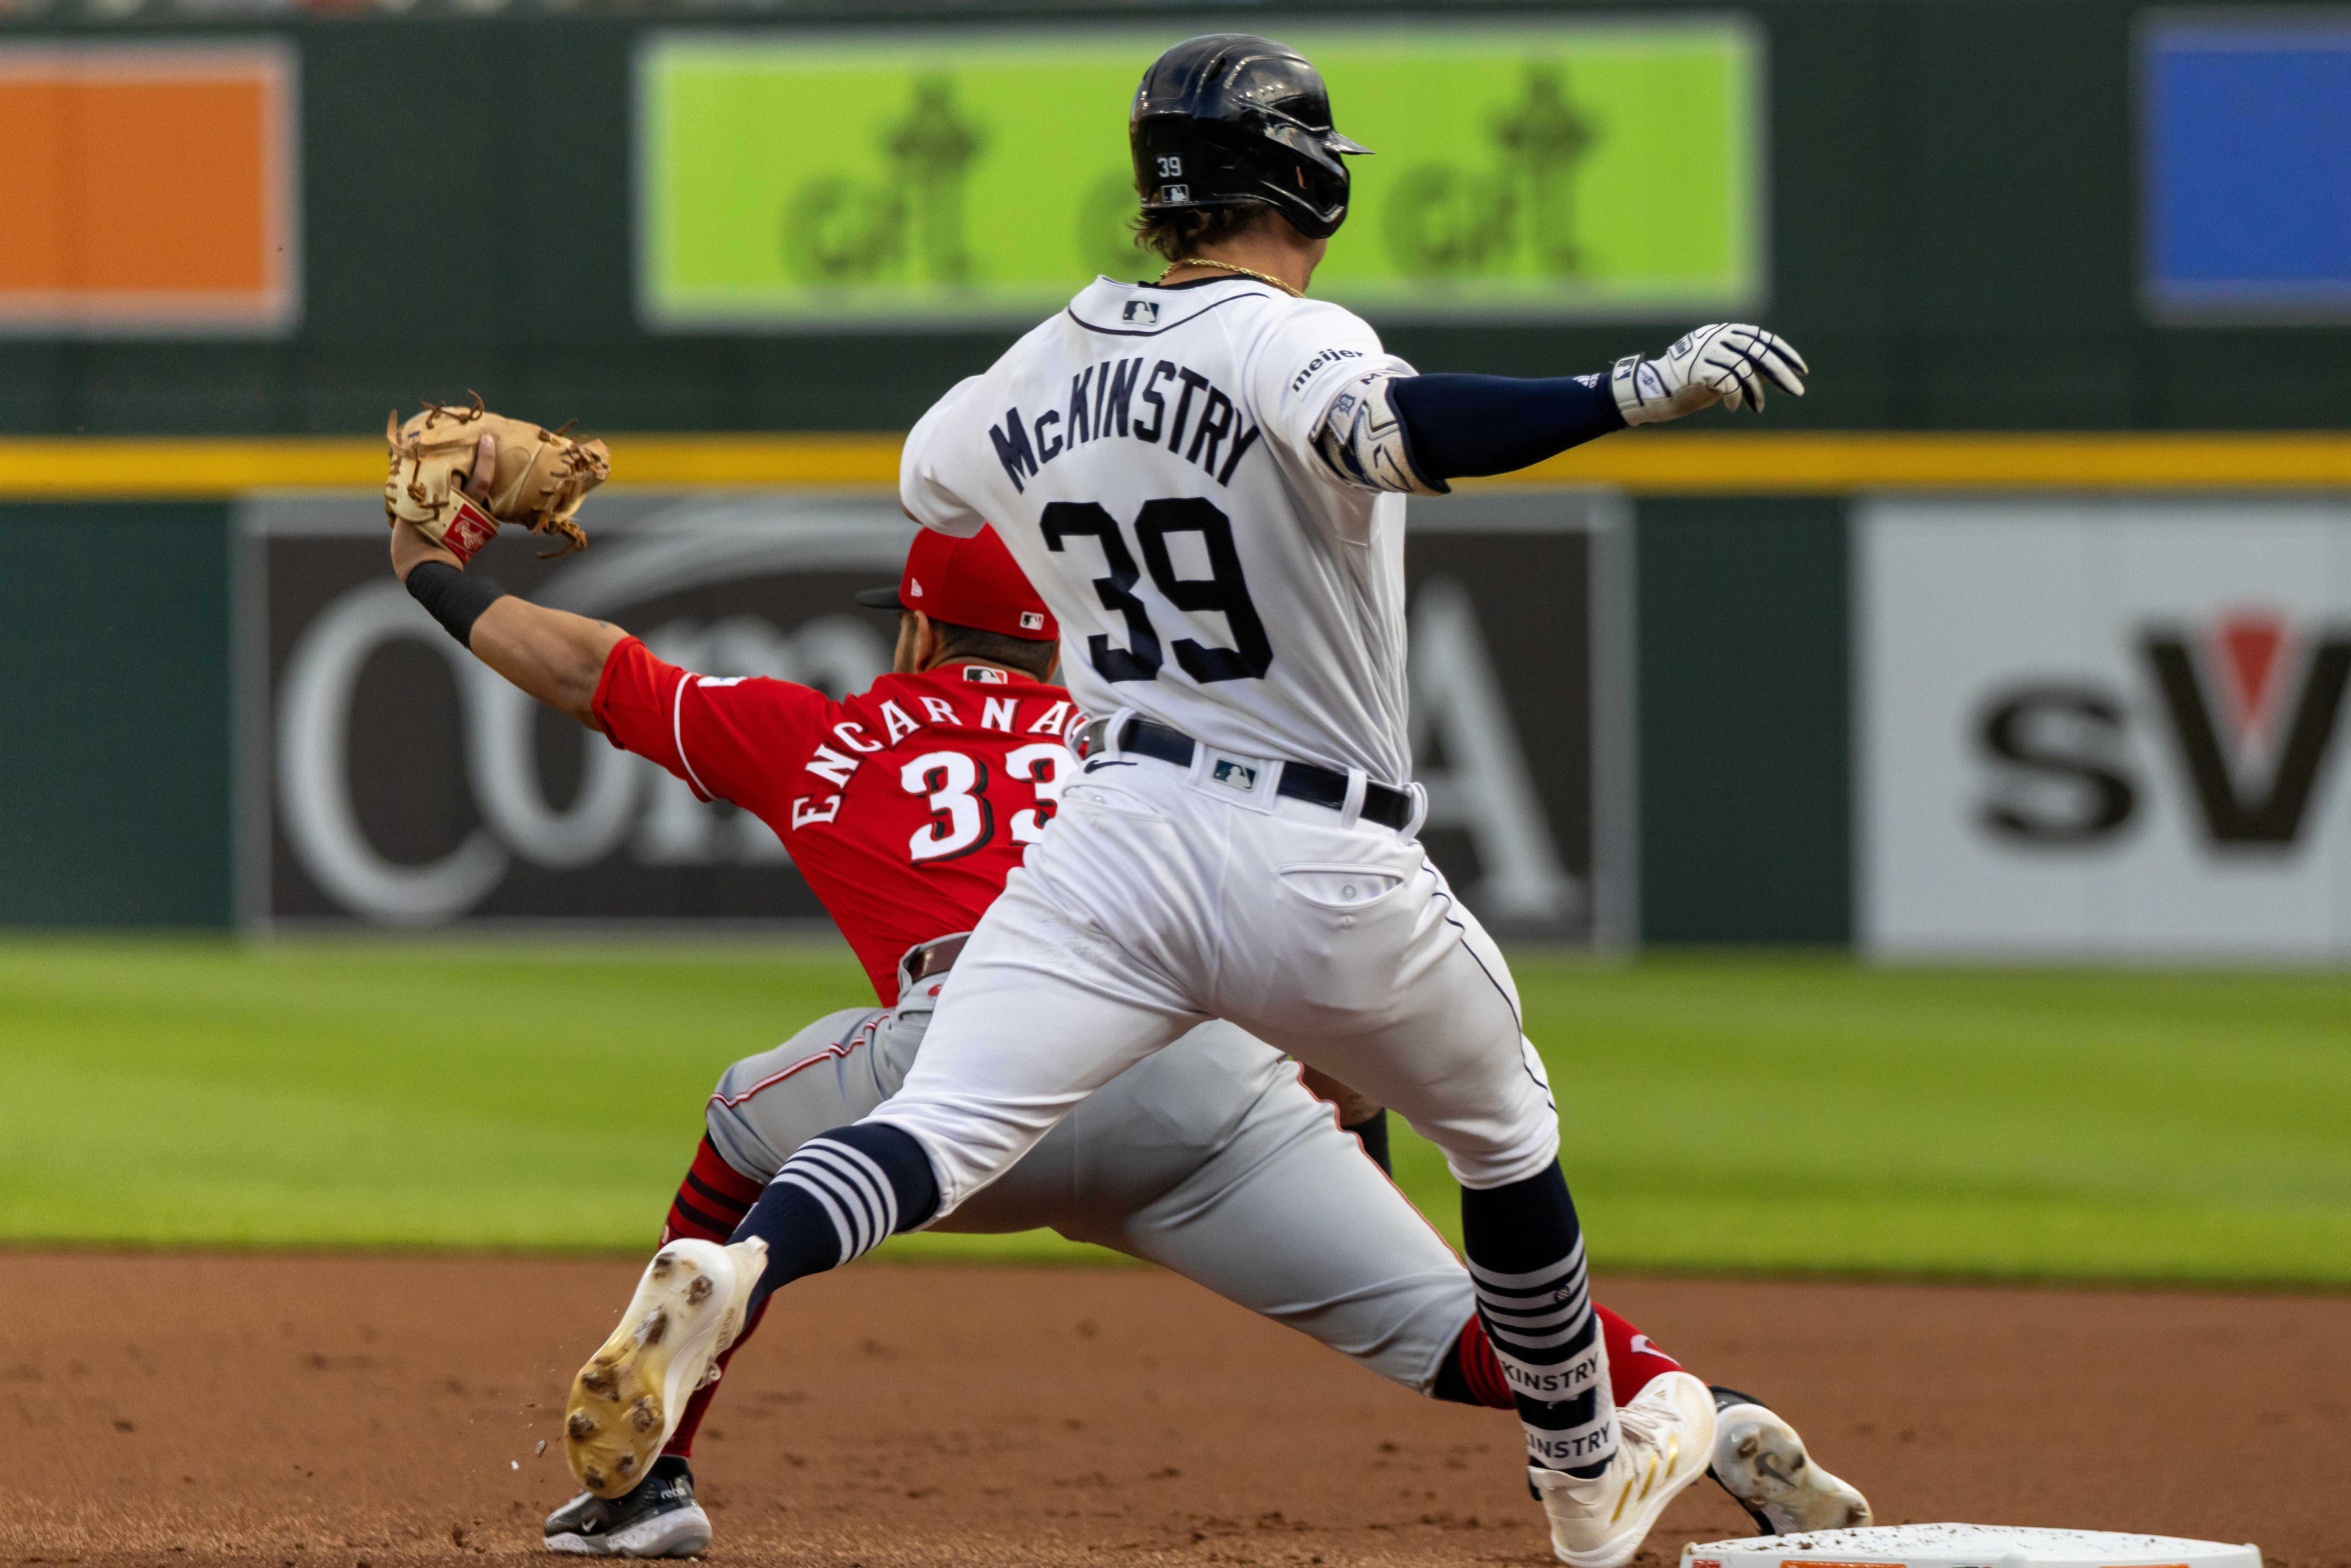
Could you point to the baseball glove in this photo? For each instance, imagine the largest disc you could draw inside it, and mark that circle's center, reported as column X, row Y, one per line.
column 542, row 476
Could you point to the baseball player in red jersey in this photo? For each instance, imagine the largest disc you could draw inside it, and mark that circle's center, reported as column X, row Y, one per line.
column 907, row 806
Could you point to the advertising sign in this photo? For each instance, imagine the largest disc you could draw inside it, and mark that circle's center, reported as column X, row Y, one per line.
column 2245, row 130
column 151, row 187
column 387, row 776
column 2105, row 726
column 1553, row 170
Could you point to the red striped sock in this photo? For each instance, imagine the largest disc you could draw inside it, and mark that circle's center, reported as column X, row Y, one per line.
column 1633, row 1361
column 681, row 1442
column 1474, row 1354
column 710, row 1202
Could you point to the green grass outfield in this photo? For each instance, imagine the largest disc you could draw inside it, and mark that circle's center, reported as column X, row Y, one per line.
column 1743, row 1111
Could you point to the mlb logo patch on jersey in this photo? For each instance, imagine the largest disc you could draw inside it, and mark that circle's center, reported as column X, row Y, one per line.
column 986, row 676
column 1138, row 312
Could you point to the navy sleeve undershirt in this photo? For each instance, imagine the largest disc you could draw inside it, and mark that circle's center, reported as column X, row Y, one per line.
column 1461, row 426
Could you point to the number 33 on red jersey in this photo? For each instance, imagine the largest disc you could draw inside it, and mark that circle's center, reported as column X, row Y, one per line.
column 909, row 802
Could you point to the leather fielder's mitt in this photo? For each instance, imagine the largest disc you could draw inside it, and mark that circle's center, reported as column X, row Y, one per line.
column 542, row 476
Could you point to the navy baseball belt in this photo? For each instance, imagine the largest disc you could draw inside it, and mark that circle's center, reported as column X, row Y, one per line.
column 1389, row 807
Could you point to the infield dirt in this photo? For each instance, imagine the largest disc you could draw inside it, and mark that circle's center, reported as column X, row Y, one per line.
column 355, row 1413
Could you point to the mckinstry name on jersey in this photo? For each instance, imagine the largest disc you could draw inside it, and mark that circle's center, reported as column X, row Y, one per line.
column 1148, row 456
column 1121, row 399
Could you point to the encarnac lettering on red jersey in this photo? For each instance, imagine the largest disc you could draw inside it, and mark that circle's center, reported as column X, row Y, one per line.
column 1059, row 720
column 1167, row 405
column 808, row 809
column 832, row 766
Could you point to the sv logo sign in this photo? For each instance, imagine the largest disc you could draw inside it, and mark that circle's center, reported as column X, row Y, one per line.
column 2249, row 710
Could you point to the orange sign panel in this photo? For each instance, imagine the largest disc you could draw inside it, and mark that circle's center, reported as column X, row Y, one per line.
column 150, row 188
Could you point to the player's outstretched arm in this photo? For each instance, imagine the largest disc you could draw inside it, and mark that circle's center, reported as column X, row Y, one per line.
column 553, row 655
column 1413, row 434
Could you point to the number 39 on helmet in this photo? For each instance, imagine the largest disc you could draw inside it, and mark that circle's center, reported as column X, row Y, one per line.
column 1232, row 118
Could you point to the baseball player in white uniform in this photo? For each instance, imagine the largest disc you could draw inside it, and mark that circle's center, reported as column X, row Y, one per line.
column 1204, row 479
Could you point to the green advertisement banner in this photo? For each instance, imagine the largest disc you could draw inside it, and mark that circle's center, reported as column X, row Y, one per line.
column 1552, row 172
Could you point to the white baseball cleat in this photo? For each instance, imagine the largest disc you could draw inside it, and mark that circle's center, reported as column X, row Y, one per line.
column 1762, row 1463
column 627, row 1400
column 1666, row 1438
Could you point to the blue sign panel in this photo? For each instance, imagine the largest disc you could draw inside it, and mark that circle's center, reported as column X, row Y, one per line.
column 2245, row 167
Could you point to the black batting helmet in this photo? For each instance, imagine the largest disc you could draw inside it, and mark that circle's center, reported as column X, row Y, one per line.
column 1233, row 118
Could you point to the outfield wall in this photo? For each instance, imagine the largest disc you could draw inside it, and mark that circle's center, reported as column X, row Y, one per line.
column 1971, row 215
column 1915, row 707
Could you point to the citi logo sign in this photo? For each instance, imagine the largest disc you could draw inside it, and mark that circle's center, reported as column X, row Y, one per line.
column 2247, row 707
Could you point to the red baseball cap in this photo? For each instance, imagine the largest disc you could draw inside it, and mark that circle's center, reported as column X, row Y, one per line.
column 969, row 582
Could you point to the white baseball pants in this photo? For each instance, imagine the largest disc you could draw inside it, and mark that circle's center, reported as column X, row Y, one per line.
column 1209, row 1159
column 1160, row 897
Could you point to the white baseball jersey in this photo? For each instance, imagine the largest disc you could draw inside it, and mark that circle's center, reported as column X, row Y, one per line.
column 1148, row 456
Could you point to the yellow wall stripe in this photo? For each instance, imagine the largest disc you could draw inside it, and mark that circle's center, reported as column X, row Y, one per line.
column 199, row 468
column 1657, row 464
column 1644, row 461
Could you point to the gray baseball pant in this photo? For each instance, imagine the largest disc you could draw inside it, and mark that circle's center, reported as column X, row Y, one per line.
column 1207, row 1158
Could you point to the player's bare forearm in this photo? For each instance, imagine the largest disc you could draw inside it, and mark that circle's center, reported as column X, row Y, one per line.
column 552, row 654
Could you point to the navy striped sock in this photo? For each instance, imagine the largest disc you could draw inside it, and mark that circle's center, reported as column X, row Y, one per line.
column 841, row 1194
column 1526, row 1264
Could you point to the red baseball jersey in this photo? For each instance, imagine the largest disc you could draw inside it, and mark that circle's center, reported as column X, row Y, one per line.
column 905, row 807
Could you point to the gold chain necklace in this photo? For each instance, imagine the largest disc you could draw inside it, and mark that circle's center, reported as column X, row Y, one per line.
column 1228, row 266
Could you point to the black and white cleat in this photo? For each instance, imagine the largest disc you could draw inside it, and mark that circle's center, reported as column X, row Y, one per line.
column 660, row 1519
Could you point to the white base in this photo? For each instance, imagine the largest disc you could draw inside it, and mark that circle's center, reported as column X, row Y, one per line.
column 1969, row 1546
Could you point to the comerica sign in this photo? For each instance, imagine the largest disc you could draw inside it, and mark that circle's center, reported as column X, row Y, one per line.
column 390, row 778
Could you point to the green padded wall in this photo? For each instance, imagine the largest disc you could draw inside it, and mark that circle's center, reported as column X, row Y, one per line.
column 1952, row 214
column 114, row 715
column 1745, row 721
